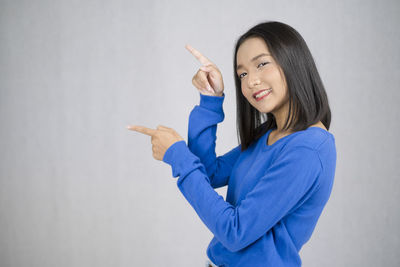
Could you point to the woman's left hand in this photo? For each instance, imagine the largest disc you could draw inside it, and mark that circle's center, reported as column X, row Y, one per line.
column 161, row 138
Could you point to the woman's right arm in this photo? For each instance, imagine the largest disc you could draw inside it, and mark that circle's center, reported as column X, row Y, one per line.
column 202, row 129
column 203, row 122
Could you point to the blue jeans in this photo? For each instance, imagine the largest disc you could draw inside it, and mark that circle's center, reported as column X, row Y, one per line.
column 210, row 264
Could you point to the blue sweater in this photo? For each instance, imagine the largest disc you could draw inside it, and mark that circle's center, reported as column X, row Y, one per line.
column 275, row 195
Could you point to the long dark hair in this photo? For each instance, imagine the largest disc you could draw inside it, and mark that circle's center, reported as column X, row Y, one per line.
column 306, row 91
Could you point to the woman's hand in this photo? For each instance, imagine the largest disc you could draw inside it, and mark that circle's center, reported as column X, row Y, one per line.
column 208, row 79
column 161, row 139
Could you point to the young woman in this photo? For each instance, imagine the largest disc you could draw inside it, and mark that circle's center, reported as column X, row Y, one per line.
column 280, row 176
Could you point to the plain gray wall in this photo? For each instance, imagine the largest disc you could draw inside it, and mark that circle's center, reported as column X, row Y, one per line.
column 79, row 189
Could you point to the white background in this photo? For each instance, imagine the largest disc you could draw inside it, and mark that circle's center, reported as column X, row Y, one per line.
column 79, row 189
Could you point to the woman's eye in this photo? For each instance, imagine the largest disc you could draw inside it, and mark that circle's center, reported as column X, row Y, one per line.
column 263, row 64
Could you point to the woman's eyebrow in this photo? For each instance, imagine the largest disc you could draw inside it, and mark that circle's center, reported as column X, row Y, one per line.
column 253, row 59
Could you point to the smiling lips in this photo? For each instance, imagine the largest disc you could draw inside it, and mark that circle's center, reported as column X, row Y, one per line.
column 261, row 94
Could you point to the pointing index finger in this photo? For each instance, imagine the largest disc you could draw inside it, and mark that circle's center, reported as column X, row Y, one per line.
column 205, row 61
column 142, row 129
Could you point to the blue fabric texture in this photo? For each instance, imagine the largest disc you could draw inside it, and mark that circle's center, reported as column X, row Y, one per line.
column 275, row 195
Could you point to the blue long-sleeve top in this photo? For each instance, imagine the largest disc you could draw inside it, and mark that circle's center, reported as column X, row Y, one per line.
column 275, row 195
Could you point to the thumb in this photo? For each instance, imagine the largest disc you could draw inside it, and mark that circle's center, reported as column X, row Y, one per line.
column 206, row 68
column 214, row 77
column 211, row 70
column 163, row 127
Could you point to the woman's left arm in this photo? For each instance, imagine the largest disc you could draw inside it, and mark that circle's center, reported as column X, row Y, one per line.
column 288, row 180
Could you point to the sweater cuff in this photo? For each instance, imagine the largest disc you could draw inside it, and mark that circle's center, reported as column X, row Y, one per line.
column 179, row 157
column 212, row 102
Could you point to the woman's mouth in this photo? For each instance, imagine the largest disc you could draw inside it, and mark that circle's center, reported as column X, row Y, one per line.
column 263, row 94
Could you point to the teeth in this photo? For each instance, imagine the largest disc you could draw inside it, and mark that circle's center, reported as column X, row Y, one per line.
column 263, row 93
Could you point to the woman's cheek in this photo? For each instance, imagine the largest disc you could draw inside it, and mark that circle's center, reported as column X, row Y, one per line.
column 267, row 71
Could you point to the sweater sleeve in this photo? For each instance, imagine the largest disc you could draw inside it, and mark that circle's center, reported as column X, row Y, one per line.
column 286, row 182
column 202, row 129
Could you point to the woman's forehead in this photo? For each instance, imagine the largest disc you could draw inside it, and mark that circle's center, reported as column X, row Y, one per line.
column 250, row 50
column 252, row 43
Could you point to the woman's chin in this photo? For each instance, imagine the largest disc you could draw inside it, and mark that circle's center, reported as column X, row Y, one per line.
column 262, row 109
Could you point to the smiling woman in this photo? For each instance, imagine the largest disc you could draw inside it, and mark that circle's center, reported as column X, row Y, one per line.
column 273, row 56
column 258, row 76
column 281, row 174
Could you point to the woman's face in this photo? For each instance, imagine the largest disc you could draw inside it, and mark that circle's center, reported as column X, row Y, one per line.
column 259, row 72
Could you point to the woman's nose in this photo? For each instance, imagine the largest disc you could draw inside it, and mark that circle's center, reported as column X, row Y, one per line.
column 254, row 81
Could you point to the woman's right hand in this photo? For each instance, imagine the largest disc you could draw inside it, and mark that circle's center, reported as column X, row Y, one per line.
column 208, row 79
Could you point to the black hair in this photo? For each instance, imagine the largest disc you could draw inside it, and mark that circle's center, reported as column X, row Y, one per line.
column 306, row 92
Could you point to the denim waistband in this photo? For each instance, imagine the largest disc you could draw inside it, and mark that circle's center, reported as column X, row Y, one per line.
column 209, row 263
